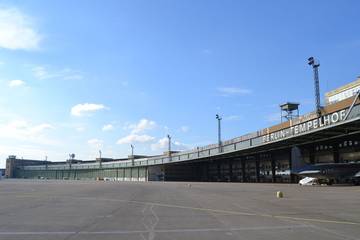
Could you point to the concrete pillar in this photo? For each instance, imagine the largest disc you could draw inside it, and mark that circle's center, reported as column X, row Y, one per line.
column 257, row 168
column 243, row 170
column 146, row 174
column 219, row 171
column 273, row 169
column 311, row 154
column 230, row 170
column 292, row 176
column 207, row 171
column 336, row 153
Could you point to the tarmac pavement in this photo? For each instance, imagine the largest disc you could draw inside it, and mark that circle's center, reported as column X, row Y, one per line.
column 50, row 209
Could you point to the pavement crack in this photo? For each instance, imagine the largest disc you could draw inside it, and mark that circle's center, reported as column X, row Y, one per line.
column 149, row 220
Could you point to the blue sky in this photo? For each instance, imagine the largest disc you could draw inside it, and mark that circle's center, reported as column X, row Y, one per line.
column 79, row 76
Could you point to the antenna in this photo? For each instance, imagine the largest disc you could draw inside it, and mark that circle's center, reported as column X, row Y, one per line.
column 219, row 118
column 132, row 150
column 316, row 64
column 169, row 142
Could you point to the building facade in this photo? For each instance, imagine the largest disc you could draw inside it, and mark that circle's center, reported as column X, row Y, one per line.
column 343, row 92
column 262, row 156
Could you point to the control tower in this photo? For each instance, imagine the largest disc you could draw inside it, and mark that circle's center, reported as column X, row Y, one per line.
column 289, row 110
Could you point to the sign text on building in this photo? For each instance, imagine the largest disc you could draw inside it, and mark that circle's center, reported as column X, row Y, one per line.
column 306, row 126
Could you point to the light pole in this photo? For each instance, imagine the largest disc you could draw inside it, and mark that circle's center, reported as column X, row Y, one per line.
column 169, row 142
column 316, row 64
column 169, row 147
column 100, row 162
column 132, row 155
column 70, row 159
column 219, row 131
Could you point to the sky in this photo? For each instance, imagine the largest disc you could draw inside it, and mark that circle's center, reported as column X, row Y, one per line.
column 83, row 76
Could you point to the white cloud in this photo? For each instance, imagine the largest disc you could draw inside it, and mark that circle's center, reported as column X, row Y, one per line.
column 40, row 72
column 142, row 125
column 137, row 128
column 24, row 131
column 41, row 127
column 108, row 127
column 163, row 145
column 17, row 30
column 96, row 143
column 80, row 129
column 16, row 83
column 132, row 138
column 43, row 72
column 86, row 108
column 27, row 151
column 231, row 91
column 184, row 129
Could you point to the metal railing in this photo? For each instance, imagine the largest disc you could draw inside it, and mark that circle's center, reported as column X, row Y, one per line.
column 236, row 144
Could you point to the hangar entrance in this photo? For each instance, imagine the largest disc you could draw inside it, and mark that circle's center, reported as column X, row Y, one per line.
column 255, row 168
column 269, row 166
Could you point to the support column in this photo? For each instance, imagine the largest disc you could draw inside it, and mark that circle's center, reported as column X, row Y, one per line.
column 292, row 176
column 69, row 173
column 218, row 171
column 257, row 168
column 336, row 153
column 312, row 154
column 230, row 170
column 146, row 174
column 273, row 171
column 207, row 171
column 243, row 171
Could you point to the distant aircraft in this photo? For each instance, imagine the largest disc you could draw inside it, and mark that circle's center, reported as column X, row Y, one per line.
column 329, row 172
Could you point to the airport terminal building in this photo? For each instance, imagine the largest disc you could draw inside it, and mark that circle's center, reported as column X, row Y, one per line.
column 332, row 136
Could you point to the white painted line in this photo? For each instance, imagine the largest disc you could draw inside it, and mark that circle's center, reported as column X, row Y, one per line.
column 230, row 212
column 260, row 228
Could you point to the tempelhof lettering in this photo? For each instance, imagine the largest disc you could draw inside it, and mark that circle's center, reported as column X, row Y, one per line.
column 306, row 126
